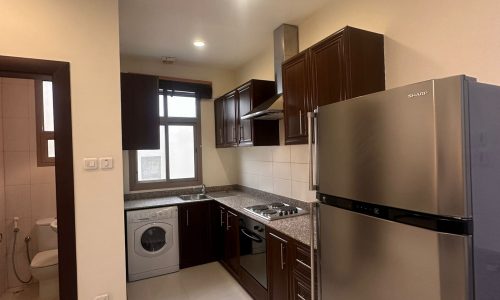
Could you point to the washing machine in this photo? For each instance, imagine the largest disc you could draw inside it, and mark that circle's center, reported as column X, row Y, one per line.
column 152, row 242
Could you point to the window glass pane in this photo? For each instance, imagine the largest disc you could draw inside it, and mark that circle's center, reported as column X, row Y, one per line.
column 183, row 107
column 162, row 108
column 51, row 148
column 48, row 107
column 181, row 151
column 151, row 164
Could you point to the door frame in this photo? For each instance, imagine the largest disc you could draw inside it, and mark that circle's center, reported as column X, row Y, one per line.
column 58, row 71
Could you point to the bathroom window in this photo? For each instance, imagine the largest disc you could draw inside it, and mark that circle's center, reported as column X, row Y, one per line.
column 44, row 108
column 178, row 161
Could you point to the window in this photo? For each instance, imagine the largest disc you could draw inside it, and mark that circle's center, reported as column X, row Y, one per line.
column 178, row 161
column 44, row 110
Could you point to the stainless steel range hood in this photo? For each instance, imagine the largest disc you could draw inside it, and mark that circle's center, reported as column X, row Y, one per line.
column 286, row 45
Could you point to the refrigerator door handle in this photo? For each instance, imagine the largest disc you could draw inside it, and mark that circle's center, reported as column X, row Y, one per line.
column 312, row 125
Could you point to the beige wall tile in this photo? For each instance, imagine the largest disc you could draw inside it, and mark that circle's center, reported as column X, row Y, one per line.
column 41, row 174
column 250, row 180
column 281, row 154
column 281, row 170
column 300, row 191
column 299, row 154
column 17, row 200
column 300, row 172
column 43, row 201
column 266, row 184
column 15, row 98
column 282, row 187
column 16, row 134
column 17, row 168
column 2, row 171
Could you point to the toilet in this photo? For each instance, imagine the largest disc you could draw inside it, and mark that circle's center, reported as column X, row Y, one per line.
column 44, row 265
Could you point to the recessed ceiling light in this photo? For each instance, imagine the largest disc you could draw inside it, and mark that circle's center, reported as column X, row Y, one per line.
column 199, row 44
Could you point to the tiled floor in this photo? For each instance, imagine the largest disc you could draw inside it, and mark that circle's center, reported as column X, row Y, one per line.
column 207, row 282
column 29, row 292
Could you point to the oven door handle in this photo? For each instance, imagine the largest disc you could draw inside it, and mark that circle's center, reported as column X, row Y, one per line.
column 250, row 235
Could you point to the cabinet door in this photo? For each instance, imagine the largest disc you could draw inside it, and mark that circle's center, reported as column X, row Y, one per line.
column 278, row 266
column 194, row 234
column 219, row 122
column 140, row 112
column 245, row 105
column 218, row 229
column 232, row 243
column 230, row 121
column 328, row 69
column 296, row 95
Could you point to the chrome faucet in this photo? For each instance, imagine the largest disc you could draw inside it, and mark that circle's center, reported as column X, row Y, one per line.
column 203, row 189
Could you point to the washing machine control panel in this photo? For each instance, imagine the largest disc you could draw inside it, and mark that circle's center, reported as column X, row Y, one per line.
column 152, row 214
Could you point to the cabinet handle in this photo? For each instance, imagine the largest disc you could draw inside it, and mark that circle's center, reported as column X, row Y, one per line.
column 241, row 133
column 220, row 134
column 282, row 247
column 221, row 218
column 300, row 121
column 187, row 217
column 303, row 263
column 227, row 221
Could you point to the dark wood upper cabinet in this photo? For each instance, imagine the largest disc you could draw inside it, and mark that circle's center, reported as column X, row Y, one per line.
column 230, row 119
column 219, row 122
column 296, row 89
column 347, row 64
column 232, row 106
column 140, row 112
column 278, row 265
column 194, row 234
column 256, row 132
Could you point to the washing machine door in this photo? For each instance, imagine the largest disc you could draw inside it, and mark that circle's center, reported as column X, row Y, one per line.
column 153, row 239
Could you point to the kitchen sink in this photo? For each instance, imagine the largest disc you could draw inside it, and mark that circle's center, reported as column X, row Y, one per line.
column 194, row 197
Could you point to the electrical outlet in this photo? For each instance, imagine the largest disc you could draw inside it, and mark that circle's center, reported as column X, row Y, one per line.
column 102, row 297
column 106, row 162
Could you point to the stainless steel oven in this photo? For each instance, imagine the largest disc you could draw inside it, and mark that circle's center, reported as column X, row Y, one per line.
column 253, row 249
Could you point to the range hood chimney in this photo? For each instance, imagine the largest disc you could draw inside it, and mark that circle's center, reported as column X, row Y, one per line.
column 286, row 45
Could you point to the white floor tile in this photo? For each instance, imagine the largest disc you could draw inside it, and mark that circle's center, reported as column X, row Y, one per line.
column 208, row 282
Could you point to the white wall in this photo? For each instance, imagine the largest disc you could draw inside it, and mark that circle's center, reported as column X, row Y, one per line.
column 218, row 165
column 423, row 40
column 84, row 33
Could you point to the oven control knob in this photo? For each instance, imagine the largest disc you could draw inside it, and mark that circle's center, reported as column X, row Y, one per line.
column 256, row 227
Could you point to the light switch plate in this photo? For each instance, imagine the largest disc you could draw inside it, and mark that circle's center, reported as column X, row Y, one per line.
column 90, row 163
column 102, row 297
column 106, row 162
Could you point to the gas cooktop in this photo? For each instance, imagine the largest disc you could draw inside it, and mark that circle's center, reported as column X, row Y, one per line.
column 273, row 211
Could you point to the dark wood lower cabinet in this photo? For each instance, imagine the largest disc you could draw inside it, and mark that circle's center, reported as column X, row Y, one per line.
column 288, row 260
column 194, row 234
column 278, row 266
column 231, row 256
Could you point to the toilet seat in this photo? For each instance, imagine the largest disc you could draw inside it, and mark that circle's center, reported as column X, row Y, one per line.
column 45, row 259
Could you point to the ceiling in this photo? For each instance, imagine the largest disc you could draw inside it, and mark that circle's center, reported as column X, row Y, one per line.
column 234, row 30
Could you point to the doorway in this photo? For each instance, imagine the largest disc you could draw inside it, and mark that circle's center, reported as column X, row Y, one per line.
column 58, row 73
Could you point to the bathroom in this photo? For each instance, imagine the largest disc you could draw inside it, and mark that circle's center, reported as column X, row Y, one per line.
column 27, row 191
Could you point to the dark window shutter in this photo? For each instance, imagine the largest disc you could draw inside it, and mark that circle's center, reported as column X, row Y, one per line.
column 140, row 112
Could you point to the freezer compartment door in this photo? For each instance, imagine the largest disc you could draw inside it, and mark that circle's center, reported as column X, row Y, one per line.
column 363, row 257
column 403, row 148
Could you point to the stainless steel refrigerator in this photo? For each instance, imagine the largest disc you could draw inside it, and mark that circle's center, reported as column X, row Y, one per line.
column 409, row 191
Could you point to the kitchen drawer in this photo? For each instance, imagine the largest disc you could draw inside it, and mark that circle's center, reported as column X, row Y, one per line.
column 301, row 287
column 302, row 260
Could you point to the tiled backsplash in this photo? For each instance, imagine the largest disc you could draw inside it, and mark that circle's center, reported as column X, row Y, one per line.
column 282, row 170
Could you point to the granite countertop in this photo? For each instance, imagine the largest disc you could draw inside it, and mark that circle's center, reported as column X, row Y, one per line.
column 298, row 228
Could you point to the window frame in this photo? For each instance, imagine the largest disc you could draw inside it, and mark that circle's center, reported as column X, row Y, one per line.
column 135, row 184
column 42, row 137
